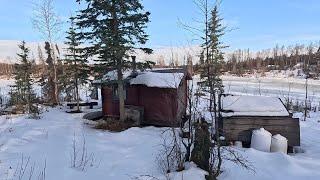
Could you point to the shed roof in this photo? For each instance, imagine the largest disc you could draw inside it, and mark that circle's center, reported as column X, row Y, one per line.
column 161, row 78
column 253, row 106
column 158, row 79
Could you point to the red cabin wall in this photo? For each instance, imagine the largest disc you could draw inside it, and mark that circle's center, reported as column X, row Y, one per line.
column 110, row 107
column 162, row 106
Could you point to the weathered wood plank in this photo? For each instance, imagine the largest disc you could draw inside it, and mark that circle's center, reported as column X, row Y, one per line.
column 240, row 128
column 245, row 136
column 258, row 121
column 271, row 127
column 259, row 117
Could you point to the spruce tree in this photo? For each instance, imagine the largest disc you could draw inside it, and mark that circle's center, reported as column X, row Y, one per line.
column 113, row 29
column 22, row 94
column 76, row 67
column 212, row 64
column 210, row 78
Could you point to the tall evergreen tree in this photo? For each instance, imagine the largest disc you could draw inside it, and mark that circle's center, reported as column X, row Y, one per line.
column 22, row 94
column 113, row 29
column 210, row 75
column 213, row 60
column 77, row 69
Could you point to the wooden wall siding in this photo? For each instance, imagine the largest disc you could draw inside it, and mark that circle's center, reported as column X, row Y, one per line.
column 110, row 107
column 239, row 128
column 162, row 106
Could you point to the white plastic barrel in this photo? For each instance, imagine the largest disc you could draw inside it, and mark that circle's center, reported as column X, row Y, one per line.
column 261, row 140
column 279, row 144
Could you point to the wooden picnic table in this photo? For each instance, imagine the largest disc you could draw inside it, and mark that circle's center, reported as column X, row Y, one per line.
column 90, row 104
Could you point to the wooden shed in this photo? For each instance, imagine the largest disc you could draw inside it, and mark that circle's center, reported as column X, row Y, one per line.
column 242, row 114
column 160, row 94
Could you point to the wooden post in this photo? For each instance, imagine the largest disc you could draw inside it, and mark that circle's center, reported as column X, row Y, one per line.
column 306, row 98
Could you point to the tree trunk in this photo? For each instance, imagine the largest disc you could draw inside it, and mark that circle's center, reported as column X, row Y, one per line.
column 306, row 101
column 121, row 95
column 77, row 82
column 77, row 95
column 56, row 99
column 55, row 79
column 217, row 132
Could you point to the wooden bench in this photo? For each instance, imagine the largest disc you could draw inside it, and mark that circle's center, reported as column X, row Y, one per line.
column 90, row 104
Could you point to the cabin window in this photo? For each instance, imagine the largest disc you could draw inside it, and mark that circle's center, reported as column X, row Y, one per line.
column 115, row 92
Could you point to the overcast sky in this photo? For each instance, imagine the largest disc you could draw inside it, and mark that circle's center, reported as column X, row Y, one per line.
column 257, row 24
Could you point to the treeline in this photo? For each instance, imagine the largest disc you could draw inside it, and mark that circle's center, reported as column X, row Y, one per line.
column 57, row 77
column 6, row 69
column 304, row 57
column 109, row 43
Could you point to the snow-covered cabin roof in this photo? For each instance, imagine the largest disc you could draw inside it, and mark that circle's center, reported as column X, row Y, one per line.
column 253, row 106
column 113, row 75
column 158, row 79
column 161, row 78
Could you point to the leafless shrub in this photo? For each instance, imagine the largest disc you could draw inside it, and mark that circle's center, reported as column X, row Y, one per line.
column 31, row 172
column 230, row 154
column 42, row 174
column 21, row 167
column 144, row 177
column 26, row 170
column 79, row 156
column 171, row 154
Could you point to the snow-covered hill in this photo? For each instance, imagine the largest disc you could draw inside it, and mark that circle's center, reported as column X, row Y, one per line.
column 9, row 49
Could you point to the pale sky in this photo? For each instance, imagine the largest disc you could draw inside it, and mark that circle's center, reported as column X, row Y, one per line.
column 257, row 24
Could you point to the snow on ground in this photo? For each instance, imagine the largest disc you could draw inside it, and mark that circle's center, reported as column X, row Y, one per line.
column 49, row 141
column 5, row 88
column 279, row 166
column 6, row 83
column 132, row 153
column 294, row 88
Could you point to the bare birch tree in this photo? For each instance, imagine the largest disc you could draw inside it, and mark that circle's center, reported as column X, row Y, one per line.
column 47, row 22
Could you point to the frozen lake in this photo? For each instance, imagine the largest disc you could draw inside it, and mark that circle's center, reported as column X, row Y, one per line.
column 272, row 86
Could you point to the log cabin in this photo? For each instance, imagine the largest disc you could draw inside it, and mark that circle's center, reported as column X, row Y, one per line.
column 242, row 114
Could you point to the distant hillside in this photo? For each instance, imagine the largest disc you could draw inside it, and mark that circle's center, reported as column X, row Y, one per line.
column 9, row 48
